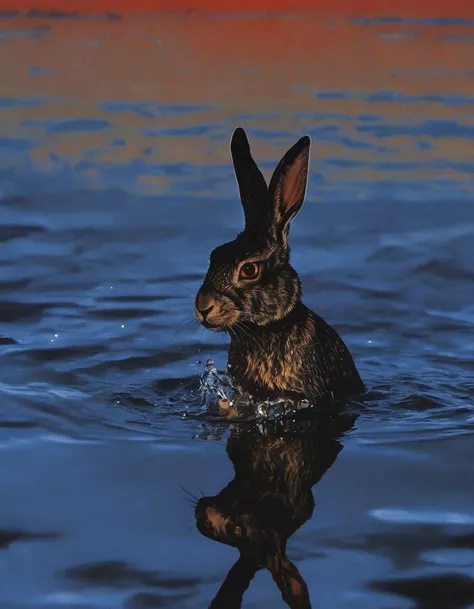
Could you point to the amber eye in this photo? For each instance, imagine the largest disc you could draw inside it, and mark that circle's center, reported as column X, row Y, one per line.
column 249, row 270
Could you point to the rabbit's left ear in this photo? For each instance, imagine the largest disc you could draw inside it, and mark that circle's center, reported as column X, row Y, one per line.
column 252, row 186
column 288, row 184
column 293, row 588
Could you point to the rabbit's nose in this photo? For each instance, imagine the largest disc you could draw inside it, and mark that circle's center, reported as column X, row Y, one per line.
column 204, row 304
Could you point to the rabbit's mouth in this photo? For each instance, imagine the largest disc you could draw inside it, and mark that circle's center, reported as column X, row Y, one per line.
column 214, row 327
column 216, row 323
column 213, row 314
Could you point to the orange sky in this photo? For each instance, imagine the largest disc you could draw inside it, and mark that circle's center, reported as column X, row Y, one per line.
column 426, row 8
column 266, row 74
column 196, row 60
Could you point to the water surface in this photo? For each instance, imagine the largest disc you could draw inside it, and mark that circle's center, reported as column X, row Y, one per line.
column 115, row 180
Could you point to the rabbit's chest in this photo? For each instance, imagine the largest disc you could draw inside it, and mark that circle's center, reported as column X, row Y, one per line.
column 268, row 369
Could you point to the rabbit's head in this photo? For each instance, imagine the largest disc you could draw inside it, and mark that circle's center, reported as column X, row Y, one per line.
column 250, row 280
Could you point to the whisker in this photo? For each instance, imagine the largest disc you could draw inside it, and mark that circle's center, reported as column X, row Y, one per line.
column 246, row 331
column 189, row 493
column 249, row 329
column 249, row 333
column 185, row 287
column 188, row 319
column 258, row 339
column 205, row 244
column 186, row 323
column 239, row 326
column 233, row 332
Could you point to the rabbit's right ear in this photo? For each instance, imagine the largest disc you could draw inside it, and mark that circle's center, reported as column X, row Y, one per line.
column 288, row 184
column 252, row 186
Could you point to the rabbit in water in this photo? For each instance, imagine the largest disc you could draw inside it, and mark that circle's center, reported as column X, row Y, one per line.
column 279, row 347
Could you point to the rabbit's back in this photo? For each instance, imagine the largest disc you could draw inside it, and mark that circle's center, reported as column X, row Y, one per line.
column 300, row 357
column 330, row 363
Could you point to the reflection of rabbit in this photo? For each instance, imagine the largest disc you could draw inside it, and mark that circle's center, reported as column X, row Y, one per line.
column 278, row 346
column 269, row 498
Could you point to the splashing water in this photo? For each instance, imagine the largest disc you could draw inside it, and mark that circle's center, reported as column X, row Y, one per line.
column 216, row 387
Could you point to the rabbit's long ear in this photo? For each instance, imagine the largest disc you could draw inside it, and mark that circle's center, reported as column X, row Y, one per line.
column 238, row 579
column 293, row 588
column 288, row 184
column 252, row 186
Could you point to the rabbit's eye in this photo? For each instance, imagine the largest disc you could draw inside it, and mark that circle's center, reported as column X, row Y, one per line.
column 249, row 270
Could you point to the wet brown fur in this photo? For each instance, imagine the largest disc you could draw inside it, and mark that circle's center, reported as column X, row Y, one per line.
column 278, row 347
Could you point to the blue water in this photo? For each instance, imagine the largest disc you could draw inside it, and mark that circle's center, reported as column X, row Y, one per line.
column 108, row 210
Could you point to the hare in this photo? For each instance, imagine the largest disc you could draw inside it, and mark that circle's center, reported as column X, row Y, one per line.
column 268, row 500
column 279, row 347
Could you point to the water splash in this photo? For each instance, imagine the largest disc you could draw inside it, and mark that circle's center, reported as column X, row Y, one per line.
column 216, row 387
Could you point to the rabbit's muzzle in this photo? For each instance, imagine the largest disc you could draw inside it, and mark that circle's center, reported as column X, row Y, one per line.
column 212, row 312
column 206, row 309
column 204, row 305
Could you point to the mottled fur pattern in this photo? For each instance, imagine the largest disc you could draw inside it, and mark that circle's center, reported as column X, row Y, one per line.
column 278, row 346
column 269, row 498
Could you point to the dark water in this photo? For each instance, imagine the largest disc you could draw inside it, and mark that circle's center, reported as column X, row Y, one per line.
column 114, row 182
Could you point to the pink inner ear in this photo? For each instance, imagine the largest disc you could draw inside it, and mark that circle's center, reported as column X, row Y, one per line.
column 293, row 183
column 295, row 587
